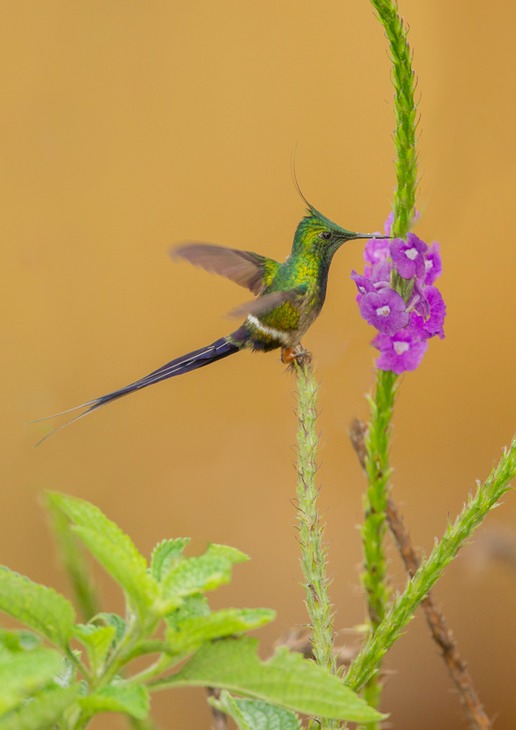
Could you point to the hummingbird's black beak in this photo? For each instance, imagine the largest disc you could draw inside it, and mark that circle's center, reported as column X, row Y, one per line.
column 369, row 235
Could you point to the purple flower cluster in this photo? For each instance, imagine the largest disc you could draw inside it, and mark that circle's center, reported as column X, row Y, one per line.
column 404, row 328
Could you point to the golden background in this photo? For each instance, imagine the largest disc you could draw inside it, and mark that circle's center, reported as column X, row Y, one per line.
column 129, row 126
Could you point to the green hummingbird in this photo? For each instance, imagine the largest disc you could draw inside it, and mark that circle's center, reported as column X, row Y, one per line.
column 289, row 297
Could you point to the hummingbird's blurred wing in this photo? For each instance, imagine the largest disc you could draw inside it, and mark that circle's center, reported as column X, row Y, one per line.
column 267, row 302
column 243, row 267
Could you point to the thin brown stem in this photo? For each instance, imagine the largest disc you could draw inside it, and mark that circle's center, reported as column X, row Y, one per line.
column 441, row 634
column 219, row 719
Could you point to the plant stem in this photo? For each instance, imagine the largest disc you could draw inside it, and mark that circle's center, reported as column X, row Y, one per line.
column 378, row 440
column 368, row 661
column 378, row 472
column 219, row 719
column 313, row 550
column 441, row 633
column 435, row 618
column 405, row 109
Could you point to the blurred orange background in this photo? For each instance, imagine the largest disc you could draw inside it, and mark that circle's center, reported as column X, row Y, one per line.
column 129, row 126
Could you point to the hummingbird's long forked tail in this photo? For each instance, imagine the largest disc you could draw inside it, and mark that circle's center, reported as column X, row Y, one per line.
column 219, row 349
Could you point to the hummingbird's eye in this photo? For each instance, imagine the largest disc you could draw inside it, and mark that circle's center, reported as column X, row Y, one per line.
column 326, row 235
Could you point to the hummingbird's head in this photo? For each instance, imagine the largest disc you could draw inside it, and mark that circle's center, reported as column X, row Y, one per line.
column 318, row 236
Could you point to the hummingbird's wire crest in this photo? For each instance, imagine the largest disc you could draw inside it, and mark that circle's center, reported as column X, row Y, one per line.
column 312, row 210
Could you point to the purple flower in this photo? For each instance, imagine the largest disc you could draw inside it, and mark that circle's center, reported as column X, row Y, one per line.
column 408, row 256
column 376, row 249
column 433, row 264
column 432, row 324
column 401, row 352
column 387, row 226
column 375, row 278
column 380, row 274
column 385, row 310
column 418, row 301
column 404, row 327
column 364, row 284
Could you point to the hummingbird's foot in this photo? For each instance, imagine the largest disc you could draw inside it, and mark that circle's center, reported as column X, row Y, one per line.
column 290, row 355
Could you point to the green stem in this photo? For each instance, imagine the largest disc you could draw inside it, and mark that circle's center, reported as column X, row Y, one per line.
column 378, row 472
column 154, row 670
column 405, row 110
column 72, row 656
column 313, row 550
column 378, row 439
column 123, row 649
column 367, row 662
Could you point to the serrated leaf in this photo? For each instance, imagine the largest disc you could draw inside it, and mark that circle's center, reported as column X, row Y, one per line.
column 196, row 575
column 114, row 550
column 226, row 551
column 139, row 586
column 200, row 574
column 191, row 607
column 129, row 698
column 165, row 554
column 23, row 674
column 42, row 711
column 287, row 679
column 190, row 633
column 41, row 608
column 72, row 555
column 68, row 674
column 98, row 641
column 257, row 715
column 227, row 704
column 114, row 620
column 19, row 640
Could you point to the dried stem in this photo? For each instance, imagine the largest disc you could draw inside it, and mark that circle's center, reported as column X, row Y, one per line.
column 219, row 719
column 472, row 515
column 441, row 634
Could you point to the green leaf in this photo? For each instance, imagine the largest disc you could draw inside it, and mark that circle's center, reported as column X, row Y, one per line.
column 131, row 699
column 98, row 641
column 19, row 640
column 41, row 608
column 43, row 710
column 68, row 674
column 191, row 607
column 72, row 556
column 23, row 674
column 114, row 620
column 196, row 575
column 191, row 633
column 165, row 554
column 286, row 679
column 257, row 715
column 200, row 574
column 114, row 550
column 138, row 585
column 226, row 551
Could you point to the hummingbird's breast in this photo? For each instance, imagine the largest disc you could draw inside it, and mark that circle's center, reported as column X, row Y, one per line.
column 277, row 328
column 286, row 323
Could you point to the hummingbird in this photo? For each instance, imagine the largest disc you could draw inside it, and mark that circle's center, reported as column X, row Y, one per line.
column 288, row 298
